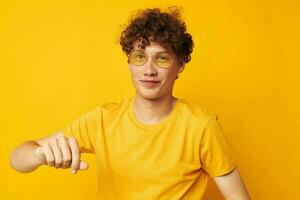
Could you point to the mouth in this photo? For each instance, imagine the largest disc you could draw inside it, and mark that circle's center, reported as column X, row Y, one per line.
column 150, row 83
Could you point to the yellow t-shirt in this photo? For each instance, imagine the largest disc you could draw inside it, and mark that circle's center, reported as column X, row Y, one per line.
column 170, row 160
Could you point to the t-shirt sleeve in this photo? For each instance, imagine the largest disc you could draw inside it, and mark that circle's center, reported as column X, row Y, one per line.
column 215, row 154
column 84, row 129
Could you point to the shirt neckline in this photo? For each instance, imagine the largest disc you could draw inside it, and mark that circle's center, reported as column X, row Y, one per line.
column 161, row 123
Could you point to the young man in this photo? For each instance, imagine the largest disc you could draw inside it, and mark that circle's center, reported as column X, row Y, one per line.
column 152, row 145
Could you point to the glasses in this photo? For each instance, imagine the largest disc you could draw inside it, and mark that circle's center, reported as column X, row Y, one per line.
column 161, row 59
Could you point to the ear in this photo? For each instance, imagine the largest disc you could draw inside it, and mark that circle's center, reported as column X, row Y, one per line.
column 181, row 68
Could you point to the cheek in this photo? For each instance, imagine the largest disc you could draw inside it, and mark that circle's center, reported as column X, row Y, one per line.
column 170, row 76
column 135, row 75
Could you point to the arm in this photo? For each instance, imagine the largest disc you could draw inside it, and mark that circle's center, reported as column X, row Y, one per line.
column 232, row 186
column 54, row 151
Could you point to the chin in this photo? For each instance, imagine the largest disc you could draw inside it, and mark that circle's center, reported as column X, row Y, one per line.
column 151, row 95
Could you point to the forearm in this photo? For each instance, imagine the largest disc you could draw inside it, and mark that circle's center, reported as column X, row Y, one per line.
column 24, row 159
column 232, row 186
column 241, row 195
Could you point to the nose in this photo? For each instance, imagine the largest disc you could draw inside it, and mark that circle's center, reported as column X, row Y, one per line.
column 150, row 68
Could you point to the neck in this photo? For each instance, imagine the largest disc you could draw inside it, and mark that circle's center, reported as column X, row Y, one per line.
column 151, row 111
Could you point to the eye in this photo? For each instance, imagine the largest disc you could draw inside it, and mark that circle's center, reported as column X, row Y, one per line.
column 163, row 58
column 139, row 56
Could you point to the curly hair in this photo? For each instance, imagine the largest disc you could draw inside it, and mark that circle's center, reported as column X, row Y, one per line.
column 165, row 28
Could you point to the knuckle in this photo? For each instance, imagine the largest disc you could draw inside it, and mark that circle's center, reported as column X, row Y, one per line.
column 52, row 142
column 67, row 159
column 60, row 134
column 58, row 164
column 59, row 159
column 50, row 162
column 65, row 166
column 73, row 139
column 45, row 146
column 76, row 160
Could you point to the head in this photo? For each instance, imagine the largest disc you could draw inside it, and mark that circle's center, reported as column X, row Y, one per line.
column 157, row 47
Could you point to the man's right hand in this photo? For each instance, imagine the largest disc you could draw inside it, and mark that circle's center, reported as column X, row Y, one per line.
column 60, row 152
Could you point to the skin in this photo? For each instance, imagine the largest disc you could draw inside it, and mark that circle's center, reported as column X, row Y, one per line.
column 55, row 151
column 60, row 152
column 232, row 186
column 151, row 104
column 157, row 102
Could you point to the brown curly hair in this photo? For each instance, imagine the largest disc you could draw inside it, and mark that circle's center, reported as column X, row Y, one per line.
column 165, row 28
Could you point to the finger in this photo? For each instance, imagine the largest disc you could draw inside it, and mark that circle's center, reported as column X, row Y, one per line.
column 39, row 151
column 66, row 152
column 57, row 153
column 82, row 166
column 49, row 154
column 41, row 156
column 75, row 154
column 59, row 134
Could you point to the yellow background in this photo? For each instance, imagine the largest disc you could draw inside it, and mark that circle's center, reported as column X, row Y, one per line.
column 61, row 58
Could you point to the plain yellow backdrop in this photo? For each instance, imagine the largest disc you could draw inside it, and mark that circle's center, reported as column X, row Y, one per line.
column 61, row 58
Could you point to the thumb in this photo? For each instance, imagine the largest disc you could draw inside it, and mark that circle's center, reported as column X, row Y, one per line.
column 83, row 165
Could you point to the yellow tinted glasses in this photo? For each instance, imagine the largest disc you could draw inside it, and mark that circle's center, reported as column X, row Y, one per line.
column 161, row 59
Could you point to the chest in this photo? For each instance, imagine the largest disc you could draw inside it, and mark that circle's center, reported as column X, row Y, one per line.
column 165, row 154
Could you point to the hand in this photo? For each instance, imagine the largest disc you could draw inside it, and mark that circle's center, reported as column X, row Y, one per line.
column 61, row 152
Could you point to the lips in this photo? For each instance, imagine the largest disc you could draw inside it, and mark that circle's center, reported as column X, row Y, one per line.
column 150, row 83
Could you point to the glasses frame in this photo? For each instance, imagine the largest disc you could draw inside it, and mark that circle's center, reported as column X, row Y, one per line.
column 147, row 57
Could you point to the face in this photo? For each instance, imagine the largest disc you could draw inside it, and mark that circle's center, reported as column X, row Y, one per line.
column 153, row 73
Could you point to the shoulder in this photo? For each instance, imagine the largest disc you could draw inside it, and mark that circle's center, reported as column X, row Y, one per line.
column 197, row 110
column 116, row 106
column 196, row 113
column 106, row 108
column 111, row 110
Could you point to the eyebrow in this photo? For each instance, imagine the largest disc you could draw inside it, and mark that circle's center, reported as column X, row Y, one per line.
column 156, row 52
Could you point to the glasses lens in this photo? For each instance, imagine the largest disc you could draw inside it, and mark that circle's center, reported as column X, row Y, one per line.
column 137, row 58
column 163, row 60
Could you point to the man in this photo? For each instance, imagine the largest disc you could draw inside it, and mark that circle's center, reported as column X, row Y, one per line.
column 152, row 145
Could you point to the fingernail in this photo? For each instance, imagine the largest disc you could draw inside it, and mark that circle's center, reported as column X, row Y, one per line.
column 73, row 171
